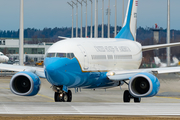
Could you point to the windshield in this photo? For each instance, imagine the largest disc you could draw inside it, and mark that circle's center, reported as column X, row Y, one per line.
column 50, row 55
column 61, row 55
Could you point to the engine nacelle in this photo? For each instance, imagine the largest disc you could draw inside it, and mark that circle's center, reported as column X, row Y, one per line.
column 144, row 85
column 25, row 84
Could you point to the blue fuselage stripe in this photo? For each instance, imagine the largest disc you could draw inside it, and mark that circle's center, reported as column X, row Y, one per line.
column 65, row 71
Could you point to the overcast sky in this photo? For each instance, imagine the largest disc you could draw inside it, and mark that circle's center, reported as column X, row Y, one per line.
column 57, row 13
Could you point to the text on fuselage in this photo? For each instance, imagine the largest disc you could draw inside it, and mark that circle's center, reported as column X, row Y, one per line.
column 112, row 49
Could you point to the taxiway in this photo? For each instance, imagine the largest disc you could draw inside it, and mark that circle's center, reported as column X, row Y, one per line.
column 92, row 102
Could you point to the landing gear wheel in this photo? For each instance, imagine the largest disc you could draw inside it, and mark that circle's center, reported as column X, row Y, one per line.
column 57, row 97
column 137, row 100
column 69, row 96
column 127, row 96
column 65, row 97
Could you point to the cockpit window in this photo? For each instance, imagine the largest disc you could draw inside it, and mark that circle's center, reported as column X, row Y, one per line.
column 51, row 55
column 70, row 55
column 61, row 55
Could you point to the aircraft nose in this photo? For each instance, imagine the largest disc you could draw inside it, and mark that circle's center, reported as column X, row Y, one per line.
column 54, row 70
column 51, row 67
column 51, row 70
column 7, row 59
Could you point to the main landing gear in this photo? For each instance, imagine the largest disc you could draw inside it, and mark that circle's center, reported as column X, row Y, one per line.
column 127, row 96
column 60, row 95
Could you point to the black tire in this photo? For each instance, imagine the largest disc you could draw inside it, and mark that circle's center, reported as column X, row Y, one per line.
column 137, row 100
column 57, row 97
column 126, row 96
column 69, row 96
column 65, row 97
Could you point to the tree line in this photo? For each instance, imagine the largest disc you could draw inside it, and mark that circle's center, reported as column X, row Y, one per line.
column 53, row 33
column 144, row 36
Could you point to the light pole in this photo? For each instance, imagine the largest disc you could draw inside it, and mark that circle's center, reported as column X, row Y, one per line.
column 91, row 16
column 76, row 18
column 85, row 1
column 96, row 19
column 168, row 32
column 115, row 26
column 81, row 15
column 102, row 18
column 72, row 18
column 109, row 20
column 21, row 35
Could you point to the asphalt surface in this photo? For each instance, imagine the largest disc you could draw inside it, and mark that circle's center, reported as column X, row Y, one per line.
column 92, row 102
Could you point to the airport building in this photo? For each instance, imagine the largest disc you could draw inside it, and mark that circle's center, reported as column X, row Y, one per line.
column 32, row 52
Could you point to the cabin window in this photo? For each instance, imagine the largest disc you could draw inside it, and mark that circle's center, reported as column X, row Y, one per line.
column 51, row 55
column 122, row 56
column 109, row 56
column 100, row 57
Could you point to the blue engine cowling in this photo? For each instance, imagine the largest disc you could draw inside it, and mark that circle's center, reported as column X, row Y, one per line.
column 25, row 84
column 144, row 85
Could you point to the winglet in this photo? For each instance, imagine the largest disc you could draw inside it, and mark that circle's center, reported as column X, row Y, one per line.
column 129, row 28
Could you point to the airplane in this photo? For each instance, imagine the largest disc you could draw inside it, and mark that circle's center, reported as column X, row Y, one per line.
column 93, row 63
column 160, row 64
column 3, row 58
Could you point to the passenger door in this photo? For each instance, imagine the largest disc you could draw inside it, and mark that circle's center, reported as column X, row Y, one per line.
column 86, row 61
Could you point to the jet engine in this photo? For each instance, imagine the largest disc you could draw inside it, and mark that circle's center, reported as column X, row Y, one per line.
column 144, row 85
column 25, row 84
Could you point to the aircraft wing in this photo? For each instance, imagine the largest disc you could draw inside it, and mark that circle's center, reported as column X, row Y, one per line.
column 37, row 70
column 127, row 74
column 152, row 47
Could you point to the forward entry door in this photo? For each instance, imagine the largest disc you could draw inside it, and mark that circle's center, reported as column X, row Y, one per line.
column 86, row 61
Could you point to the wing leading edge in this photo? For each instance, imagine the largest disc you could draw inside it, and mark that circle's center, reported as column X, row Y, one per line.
column 152, row 47
column 127, row 74
column 37, row 70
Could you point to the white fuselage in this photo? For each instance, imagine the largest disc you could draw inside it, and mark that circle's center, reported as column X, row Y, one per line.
column 3, row 58
column 101, row 54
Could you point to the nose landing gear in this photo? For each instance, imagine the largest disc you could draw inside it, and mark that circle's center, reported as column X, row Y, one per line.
column 62, row 96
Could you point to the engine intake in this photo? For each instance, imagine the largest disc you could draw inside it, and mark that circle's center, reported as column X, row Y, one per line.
column 144, row 85
column 25, row 84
